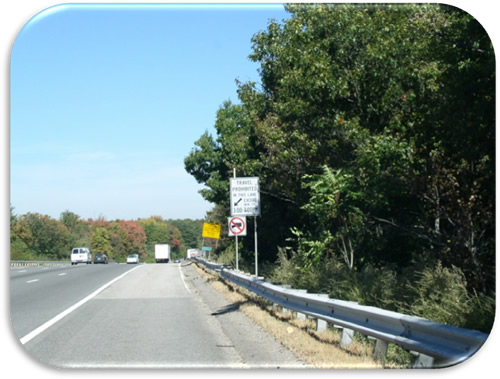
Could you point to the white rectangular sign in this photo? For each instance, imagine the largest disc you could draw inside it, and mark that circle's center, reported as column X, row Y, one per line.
column 245, row 196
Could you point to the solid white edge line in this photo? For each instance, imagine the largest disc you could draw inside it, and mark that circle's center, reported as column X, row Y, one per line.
column 182, row 277
column 63, row 314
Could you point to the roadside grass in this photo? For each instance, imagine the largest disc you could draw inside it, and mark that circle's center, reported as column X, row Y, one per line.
column 319, row 349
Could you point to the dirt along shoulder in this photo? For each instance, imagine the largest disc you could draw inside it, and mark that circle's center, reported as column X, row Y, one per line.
column 255, row 345
column 316, row 349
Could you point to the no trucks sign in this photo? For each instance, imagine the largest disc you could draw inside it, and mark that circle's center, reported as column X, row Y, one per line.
column 237, row 226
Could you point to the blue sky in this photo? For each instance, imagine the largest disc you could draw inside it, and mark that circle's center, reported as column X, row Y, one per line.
column 108, row 100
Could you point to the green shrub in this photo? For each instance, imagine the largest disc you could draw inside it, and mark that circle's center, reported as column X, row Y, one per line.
column 440, row 294
column 434, row 292
column 19, row 251
column 227, row 256
column 481, row 315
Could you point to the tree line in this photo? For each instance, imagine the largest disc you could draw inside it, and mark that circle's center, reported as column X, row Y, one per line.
column 34, row 236
column 372, row 131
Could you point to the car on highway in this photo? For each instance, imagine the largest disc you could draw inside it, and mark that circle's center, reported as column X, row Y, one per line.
column 133, row 258
column 81, row 255
column 177, row 261
column 101, row 258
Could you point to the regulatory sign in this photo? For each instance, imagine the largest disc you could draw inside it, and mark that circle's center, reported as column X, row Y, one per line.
column 237, row 226
column 211, row 230
column 245, row 196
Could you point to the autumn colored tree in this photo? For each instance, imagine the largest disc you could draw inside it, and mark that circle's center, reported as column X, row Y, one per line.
column 135, row 237
column 35, row 236
column 190, row 231
column 41, row 236
column 175, row 240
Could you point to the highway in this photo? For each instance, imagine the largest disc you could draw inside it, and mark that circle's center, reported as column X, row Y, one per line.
column 39, row 293
column 135, row 316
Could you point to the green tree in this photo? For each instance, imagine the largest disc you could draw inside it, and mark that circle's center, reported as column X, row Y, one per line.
column 100, row 242
column 386, row 95
column 69, row 219
column 235, row 146
column 20, row 237
column 79, row 229
column 372, row 131
column 42, row 237
column 190, row 230
column 156, row 231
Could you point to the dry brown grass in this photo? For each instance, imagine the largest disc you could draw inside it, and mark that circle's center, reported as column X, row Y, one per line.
column 319, row 349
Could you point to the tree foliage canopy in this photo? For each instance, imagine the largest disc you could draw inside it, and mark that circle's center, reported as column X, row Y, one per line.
column 40, row 237
column 372, row 132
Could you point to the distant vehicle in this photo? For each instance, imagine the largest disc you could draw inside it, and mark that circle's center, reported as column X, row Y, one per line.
column 191, row 253
column 162, row 253
column 81, row 255
column 101, row 258
column 133, row 258
column 177, row 261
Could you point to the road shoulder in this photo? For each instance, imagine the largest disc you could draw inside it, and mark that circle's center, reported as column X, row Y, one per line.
column 243, row 332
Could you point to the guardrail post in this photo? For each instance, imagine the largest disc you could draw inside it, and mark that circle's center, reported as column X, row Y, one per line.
column 380, row 350
column 423, row 361
column 346, row 338
column 321, row 324
column 299, row 315
column 38, row 263
column 450, row 343
column 285, row 310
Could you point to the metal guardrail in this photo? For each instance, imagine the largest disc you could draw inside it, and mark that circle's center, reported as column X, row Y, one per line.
column 39, row 263
column 439, row 345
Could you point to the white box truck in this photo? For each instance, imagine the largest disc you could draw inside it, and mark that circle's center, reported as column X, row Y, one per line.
column 162, row 253
column 191, row 253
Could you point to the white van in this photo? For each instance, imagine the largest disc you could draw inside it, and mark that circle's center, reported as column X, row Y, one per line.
column 81, row 255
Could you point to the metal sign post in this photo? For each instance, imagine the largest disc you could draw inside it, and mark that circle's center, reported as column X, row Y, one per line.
column 256, row 260
column 237, row 258
column 236, row 238
column 237, row 226
column 211, row 231
column 245, row 201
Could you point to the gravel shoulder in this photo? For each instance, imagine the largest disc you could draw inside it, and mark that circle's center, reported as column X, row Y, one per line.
column 242, row 331
column 313, row 349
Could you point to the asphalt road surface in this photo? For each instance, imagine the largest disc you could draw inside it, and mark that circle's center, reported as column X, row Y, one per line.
column 37, row 294
column 135, row 316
